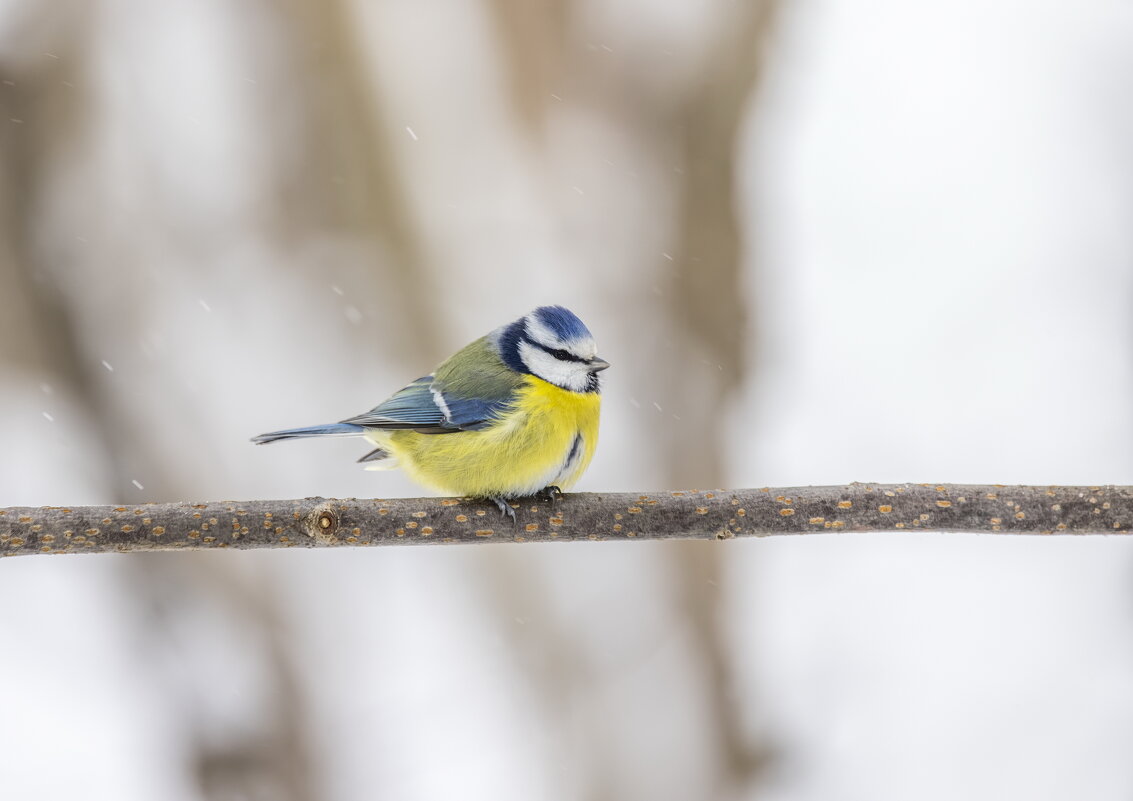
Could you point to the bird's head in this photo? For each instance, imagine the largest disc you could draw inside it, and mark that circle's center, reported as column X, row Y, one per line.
column 553, row 344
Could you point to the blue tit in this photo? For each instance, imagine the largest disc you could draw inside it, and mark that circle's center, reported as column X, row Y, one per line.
column 513, row 414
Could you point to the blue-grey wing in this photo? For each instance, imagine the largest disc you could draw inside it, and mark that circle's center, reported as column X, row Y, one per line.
column 412, row 407
column 426, row 408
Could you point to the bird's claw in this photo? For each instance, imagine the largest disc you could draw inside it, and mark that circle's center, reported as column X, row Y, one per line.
column 549, row 493
column 505, row 508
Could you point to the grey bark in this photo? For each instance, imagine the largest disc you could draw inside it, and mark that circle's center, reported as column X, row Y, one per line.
column 695, row 514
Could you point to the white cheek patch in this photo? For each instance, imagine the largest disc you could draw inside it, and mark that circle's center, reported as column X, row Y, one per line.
column 568, row 375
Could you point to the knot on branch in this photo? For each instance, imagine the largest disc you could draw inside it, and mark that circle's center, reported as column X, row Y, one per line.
column 322, row 524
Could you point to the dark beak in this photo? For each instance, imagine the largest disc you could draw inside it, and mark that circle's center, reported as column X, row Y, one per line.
column 597, row 365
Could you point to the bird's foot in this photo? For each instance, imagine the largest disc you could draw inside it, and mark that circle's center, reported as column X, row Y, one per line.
column 549, row 493
column 505, row 508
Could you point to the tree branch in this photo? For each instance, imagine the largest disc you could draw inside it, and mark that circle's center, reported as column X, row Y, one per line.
column 697, row 514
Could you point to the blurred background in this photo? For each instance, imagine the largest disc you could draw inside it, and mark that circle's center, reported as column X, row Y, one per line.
column 820, row 241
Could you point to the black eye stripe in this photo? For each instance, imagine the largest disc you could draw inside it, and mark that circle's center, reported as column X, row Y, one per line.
column 564, row 355
column 556, row 352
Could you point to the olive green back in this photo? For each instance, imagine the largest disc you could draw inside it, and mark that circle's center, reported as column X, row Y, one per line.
column 476, row 371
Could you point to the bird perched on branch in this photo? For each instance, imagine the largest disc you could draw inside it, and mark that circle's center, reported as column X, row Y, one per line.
column 513, row 414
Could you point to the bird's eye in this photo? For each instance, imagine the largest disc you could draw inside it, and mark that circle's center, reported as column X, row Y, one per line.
column 563, row 355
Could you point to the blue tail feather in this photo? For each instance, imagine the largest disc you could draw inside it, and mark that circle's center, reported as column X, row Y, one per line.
column 328, row 430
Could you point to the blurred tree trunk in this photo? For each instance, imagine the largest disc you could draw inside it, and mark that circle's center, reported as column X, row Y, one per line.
column 711, row 329
column 41, row 117
column 532, row 35
column 346, row 175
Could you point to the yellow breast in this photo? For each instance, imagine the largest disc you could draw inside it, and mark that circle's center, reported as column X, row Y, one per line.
column 547, row 437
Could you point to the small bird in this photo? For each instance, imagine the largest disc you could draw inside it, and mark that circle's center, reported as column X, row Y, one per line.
column 513, row 414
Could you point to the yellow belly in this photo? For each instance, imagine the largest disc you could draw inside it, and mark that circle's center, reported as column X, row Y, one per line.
column 548, row 437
